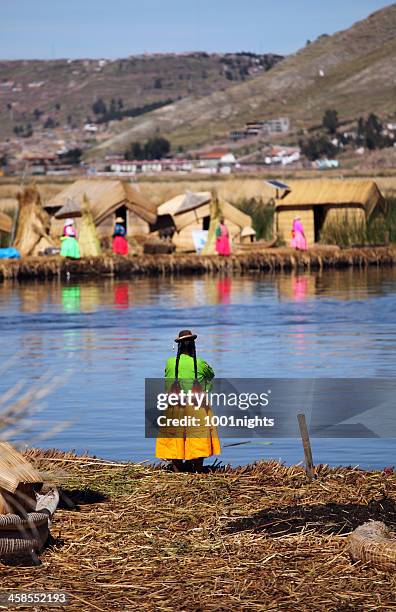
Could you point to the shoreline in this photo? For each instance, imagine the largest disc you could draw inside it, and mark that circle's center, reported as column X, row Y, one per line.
column 265, row 260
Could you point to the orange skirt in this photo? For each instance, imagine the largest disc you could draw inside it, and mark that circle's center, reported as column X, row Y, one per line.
column 187, row 441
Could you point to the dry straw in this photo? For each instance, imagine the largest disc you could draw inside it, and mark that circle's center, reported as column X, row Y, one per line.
column 259, row 537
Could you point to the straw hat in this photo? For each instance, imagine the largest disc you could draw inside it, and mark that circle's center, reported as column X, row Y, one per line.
column 185, row 334
column 119, row 220
column 69, row 222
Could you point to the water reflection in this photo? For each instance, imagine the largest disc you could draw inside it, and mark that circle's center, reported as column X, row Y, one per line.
column 71, row 298
column 112, row 334
column 121, row 295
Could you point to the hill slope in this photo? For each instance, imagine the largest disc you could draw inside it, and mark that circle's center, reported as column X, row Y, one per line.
column 352, row 71
column 65, row 90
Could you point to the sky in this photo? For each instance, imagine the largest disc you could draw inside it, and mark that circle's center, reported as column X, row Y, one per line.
column 49, row 29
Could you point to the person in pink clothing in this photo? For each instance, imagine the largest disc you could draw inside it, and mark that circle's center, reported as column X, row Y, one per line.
column 222, row 239
column 298, row 240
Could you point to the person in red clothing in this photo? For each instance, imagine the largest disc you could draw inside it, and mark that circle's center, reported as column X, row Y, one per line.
column 222, row 239
column 120, row 243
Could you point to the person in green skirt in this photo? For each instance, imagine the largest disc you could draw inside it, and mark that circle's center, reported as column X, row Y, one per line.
column 69, row 243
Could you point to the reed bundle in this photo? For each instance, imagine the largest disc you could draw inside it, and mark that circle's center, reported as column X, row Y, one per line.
column 18, row 481
column 373, row 542
column 32, row 234
column 260, row 537
column 88, row 236
column 15, row 469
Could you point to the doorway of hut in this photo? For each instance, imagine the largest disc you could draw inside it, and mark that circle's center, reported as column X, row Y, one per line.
column 206, row 223
column 122, row 212
column 319, row 217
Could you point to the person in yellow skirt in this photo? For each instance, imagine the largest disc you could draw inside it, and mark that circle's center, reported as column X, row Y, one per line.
column 187, row 446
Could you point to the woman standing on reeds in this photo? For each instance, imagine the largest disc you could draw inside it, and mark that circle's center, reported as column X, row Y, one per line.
column 187, row 446
column 298, row 240
column 69, row 246
column 120, row 243
column 222, row 239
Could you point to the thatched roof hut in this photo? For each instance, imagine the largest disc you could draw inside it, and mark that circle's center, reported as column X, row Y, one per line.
column 191, row 211
column 108, row 199
column 320, row 203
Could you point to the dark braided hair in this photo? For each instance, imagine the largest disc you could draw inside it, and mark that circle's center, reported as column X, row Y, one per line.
column 186, row 347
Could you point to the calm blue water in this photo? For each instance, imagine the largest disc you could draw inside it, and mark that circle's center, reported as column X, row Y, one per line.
column 103, row 338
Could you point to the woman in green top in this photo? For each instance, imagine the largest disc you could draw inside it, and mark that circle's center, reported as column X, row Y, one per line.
column 187, row 445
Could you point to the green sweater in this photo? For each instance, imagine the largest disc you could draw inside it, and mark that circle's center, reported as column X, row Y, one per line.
column 186, row 370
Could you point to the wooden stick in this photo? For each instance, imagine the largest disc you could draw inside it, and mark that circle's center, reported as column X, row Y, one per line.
column 309, row 465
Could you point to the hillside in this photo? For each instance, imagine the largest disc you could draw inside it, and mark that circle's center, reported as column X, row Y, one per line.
column 352, row 71
column 65, row 91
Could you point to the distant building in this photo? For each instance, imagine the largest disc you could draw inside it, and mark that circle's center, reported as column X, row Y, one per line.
column 136, row 166
column 90, row 127
column 280, row 125
column 276, row 126
column 39, row 164
column 217, row 160
column 253, row 128
column 237, row 134
column 6, row 85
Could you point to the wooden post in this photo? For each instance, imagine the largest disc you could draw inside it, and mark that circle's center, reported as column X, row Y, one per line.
column 309, row 466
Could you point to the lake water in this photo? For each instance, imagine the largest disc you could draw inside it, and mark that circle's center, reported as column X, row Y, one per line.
column 103, row 338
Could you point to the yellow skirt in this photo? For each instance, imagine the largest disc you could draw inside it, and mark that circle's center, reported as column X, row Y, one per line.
column 187, row 441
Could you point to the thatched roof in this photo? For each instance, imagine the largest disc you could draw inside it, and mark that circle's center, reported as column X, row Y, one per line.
column 230, row 213
column 247, row 231
column 332, row 192
column 5, row 223
column 184, row 202
column 70, row 209
column 192, row 201
column 187, row 208
column 170, row 206
column 105, row 196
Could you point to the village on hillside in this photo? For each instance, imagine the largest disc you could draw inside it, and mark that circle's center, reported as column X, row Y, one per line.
column 260, row 145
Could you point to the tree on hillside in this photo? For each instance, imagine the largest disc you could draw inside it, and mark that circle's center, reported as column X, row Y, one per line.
column 72, row 156
column 330, row 121
column 157, row 148
column 370, row 133
column 99, row 107
column 315, row 148
column 134, row 151
column 49, row 123
column 113, row 106
column 154, row 148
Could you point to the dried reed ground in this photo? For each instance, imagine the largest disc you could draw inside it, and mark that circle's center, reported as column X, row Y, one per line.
column 257, row 538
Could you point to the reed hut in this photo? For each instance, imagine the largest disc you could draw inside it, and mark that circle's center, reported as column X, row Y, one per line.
column 183, row 214
column 107, row 200
column 321, row 203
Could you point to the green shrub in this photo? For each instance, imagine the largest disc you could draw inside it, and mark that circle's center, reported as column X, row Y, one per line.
column 379, row 229
column 262, row 216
